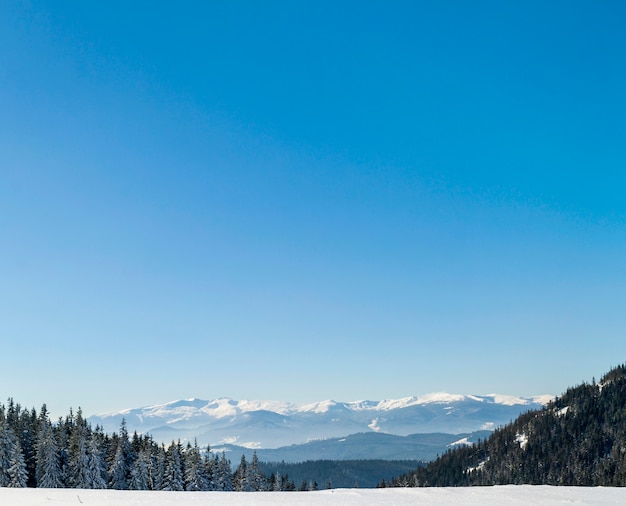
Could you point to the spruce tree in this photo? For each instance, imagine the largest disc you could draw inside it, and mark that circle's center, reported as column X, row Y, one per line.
column 173, row 475
column 210, row 465
column 225, row 476
column 240, row 477
column 18, row 475
column 95, row 474
column 140, row 472
column 12, row 464
column 256, row 479
column 48, row 462
column 119, row 468
column 195, row 479
column 278, row 483
column 158, row 459
column 77, row 462
column 26, row 432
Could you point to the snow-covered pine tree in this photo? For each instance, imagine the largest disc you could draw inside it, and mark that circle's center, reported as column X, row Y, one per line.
column 48, row 464
column 26, row 432
column 256, row 479
column 119, row 469
column 95, row 474
column 18, row 476
column 12, row 464
column 224, row 480
column 210, row 464
column 62, row 433
column 77, row 463
column 140, row 472
column 173, row 475
column 158, row 468
column 240, row 478
column 278, row 482
column 195, row 480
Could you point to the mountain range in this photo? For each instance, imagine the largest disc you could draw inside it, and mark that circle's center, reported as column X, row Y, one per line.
column 274, row 424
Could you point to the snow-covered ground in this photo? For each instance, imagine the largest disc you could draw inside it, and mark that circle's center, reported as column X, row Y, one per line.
column 523, row 495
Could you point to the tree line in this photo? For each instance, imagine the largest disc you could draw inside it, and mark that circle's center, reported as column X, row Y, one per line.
column 35, row 452
column 366, row 473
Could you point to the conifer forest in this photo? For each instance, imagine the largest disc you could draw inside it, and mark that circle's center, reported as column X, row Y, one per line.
column 579, row 439
column 35, row 452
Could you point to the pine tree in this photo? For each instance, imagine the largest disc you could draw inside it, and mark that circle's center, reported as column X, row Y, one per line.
column 26, row 432
column 62, row 433
column 48, row 463
column 256, row 479
column 77, row 462
column 95, row 474
column 140, row 472
column 240, row 478
column 12, row 464
column 225, row 477
column 278, row 483
column 195, row 480
column 158, row 468
column 210, row 464
column 18, row 476
column 173, row 475
column 119, row 468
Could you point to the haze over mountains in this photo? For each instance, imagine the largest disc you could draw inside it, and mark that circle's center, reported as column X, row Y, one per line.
column 273, row 424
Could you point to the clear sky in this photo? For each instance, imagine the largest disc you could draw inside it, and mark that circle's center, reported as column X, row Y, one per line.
column 309, row 200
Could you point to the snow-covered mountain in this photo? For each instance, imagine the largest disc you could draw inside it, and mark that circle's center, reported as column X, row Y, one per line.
column 272, row 424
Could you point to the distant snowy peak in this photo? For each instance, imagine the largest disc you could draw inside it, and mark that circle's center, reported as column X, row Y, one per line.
column 317, row 407
column 504, row 400
column 443, row 398
column 272, row 424
column 225, row 407
column 217, row 408
column 433, row 398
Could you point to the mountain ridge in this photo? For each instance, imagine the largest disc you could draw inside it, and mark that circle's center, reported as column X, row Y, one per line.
column 273, row 424
column 287, row 407
column 368, row 445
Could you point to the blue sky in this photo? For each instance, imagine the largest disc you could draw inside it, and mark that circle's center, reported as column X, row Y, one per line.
column 309, row 200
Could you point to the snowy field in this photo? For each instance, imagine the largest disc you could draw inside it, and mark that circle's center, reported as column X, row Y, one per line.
column 472, row 496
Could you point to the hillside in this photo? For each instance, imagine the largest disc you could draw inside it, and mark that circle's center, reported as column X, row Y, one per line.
column 367, row 445
column 578, row 439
